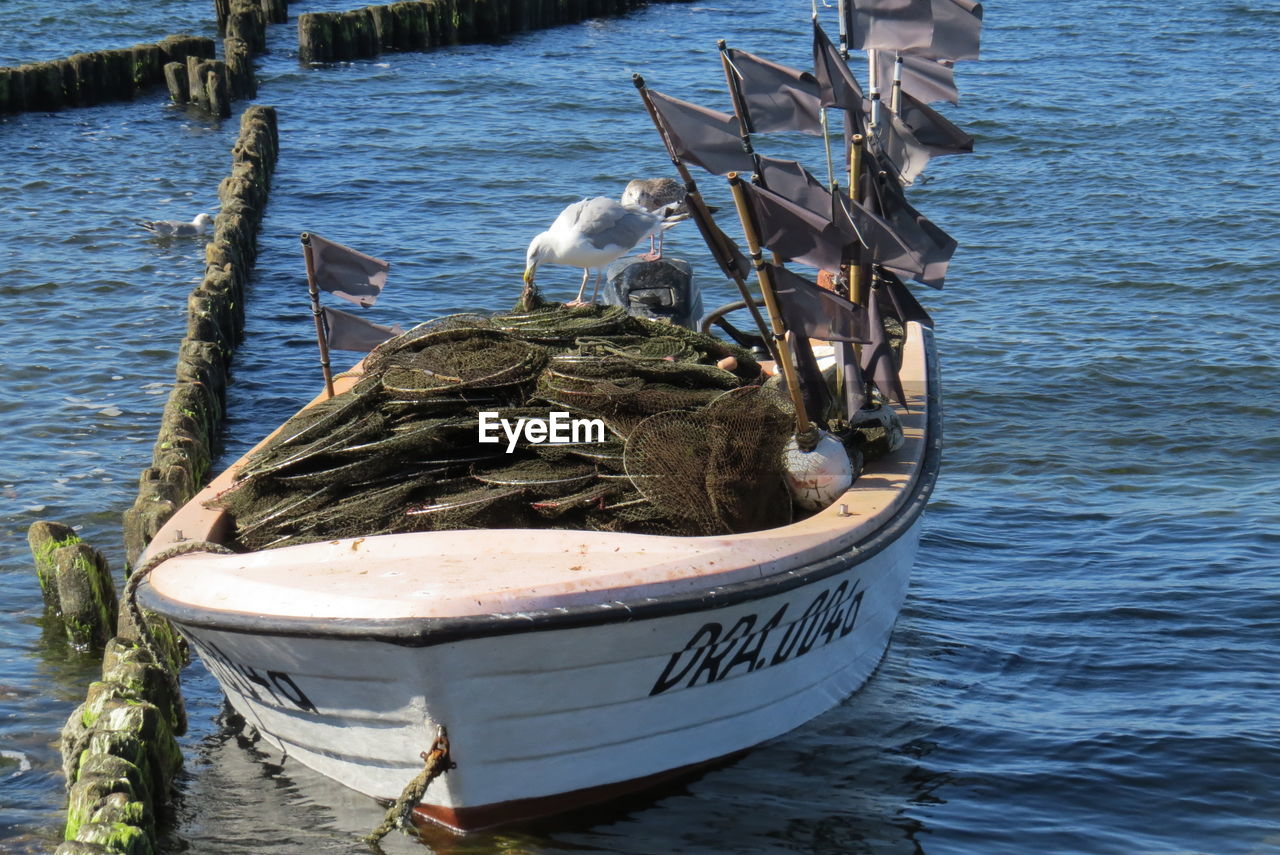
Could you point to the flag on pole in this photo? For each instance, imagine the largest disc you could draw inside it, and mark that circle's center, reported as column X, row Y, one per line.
column 837, row 87
column 789, row 178
column 957, row 30
column 346, row 273
column 706, row 138
column 794, row 232
column 733, row 263
column 816, row 312
column 939, row 29
column 776, row 98
column 868, row 237
column 878, row 362
column 890, row 24
column 817, row 397
column 879, row 241
column 345, row 331
column 922, row 77
column 894, row 140
column 932, row 130
column 931, row 245
column 902, row 303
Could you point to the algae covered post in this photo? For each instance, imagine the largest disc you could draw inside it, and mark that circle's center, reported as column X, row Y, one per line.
column 76, row 583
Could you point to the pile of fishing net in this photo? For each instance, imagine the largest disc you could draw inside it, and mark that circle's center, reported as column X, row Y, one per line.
column 692, row 441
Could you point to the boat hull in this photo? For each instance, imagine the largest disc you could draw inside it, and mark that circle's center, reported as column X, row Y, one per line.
column 566, row 666
column 544, row 719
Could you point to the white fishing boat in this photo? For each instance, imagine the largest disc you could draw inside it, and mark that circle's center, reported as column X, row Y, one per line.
column 573, row 660
column 566, row 666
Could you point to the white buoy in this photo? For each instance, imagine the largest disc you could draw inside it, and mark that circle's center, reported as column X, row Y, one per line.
column 817, row 478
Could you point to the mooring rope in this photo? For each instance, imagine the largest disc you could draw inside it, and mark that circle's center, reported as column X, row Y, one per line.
column 130, row 598
column 435, row 763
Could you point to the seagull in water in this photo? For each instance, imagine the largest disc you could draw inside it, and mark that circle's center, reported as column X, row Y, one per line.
column 177, row 228
column 653, row 194
column 592, row 233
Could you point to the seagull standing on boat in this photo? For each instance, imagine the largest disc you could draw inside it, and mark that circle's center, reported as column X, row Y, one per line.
column 177, row 228
column 654, row 194
column 591, row 234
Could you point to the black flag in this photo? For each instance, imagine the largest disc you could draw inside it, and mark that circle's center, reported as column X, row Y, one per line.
column 931, row 246
column 902, row 303
column 878, row 361
column 897, row 144
column 706, row 138
column 837, row 87
column 957, row 30
column 867, row 236
column 816, row 312
column 890, row 24
column 346, row 273
column 922, row 77
column 345, row 331
column 795, row 232
column 931, row 129
column 939, row 29
column 777, row 98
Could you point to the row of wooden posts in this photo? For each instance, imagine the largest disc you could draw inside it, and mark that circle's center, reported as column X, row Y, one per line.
column 187, row 65
column 183, row 452
column 119, row 748
column 85, row 79
column 414, row 25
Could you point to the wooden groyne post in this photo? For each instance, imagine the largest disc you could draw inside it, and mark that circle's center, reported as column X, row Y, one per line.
column 85, row 79
column 76, row 584
column 119, row 747
column 273, row 11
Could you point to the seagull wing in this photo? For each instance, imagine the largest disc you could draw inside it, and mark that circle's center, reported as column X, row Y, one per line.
column 603, row 223
column 168, row 228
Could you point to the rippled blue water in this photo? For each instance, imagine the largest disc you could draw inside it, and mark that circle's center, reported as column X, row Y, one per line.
column 1088, row 658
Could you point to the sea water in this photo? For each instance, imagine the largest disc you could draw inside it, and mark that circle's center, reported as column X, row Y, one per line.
column 1088, row 658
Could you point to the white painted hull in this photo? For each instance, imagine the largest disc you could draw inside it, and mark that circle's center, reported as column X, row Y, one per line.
column 532, row 715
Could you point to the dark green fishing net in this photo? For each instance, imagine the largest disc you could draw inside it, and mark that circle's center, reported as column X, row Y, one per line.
column 691, row 443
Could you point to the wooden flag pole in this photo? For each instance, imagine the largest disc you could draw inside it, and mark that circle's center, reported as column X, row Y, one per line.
column 765, row 277
column 706, row 226
column 315, row 311
column 857, row 284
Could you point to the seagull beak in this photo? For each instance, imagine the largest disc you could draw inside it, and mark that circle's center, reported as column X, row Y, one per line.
column 528, row 275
